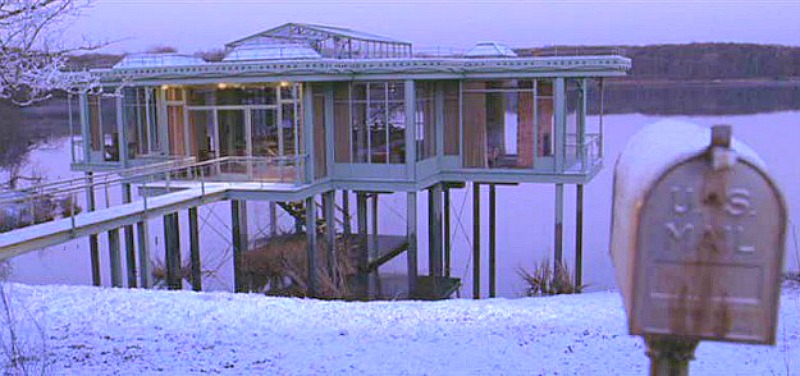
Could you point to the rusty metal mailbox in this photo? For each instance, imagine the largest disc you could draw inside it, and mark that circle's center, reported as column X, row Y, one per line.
column 697, row 237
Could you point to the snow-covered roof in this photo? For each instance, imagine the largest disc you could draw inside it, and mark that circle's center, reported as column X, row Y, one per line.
column 157, row 60
column 267, row 51
column 490, row 49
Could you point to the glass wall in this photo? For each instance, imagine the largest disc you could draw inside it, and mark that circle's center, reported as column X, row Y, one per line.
column 503, row 120
column 369, row 122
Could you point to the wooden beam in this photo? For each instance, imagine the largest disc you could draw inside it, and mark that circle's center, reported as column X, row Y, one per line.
column 492, row 241
column 114, row 257
column 579, row 235
column 311, row 237
column 130, row 244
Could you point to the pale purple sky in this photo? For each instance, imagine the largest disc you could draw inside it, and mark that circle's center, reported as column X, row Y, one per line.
column 192, row 25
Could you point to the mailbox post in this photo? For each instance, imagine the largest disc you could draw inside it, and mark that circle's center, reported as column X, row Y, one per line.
column 697, row 240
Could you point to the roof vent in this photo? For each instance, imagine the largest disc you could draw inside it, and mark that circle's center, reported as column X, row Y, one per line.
column 271, row 51
column 149, row 60
column 490, row 49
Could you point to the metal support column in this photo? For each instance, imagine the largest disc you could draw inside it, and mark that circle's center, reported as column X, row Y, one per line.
column 311, row 237
column 145, row 269
column 492, row 241
column 476, row 240
column 411, row 238
column 558, row 241
column 239, row 237
column 194, row 251
column 94, row 243
column 114, row 257
column 130, row 244
column 172, row 255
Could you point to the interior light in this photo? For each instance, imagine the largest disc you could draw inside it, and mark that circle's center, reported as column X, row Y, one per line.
column 223, row 86
column 284, row 84
column 164, row 87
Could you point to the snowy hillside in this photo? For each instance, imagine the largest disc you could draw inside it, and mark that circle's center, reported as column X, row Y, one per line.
column 114, row 331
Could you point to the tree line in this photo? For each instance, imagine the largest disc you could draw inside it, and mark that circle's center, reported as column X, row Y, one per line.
column 695, row 61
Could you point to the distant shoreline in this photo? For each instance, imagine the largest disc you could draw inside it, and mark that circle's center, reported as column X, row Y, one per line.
column 732, row 83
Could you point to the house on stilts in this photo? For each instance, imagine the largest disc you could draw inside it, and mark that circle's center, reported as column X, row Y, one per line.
column 304, row 116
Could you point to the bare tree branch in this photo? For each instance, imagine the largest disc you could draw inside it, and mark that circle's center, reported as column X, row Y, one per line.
column 32, row 56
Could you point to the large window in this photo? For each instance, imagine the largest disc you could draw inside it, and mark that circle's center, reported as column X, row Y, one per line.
column 369, row 122
column 507, row 124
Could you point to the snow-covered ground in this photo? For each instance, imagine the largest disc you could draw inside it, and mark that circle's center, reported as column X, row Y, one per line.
column 114, row 331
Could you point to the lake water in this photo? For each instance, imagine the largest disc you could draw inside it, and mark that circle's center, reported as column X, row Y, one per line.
column 524, row 214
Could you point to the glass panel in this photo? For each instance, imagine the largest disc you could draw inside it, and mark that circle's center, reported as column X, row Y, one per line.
column 452, row 137
column 177, row 144
column 425, row 121
column 265, row 133
column 174, row 94
column 320, row 155
column 202, row 96
column 545, row 117
column 204, row 143
column 232, row 133
column 397, row 122
column 288, row 130
column 135, row 121
column 359, row 122
column 151, row 112
column 341, row 123
column 108, row 124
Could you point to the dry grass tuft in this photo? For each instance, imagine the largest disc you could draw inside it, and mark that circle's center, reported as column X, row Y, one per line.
column 280, row 267
column 544, row 280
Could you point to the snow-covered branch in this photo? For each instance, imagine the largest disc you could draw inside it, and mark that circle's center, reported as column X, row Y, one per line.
column 32, row 56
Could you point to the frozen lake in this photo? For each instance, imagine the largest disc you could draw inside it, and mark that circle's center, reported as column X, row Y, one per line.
column 524, row 214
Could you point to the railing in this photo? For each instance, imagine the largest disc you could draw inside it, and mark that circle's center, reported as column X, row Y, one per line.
column 438, row 51
column 64, row 199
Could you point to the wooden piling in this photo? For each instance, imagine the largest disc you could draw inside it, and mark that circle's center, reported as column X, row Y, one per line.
column 328, row 204
column 94, row 243
column 447, row 246
column 239, row 240
column 476, row 240
column 130, row 244
column 194, row 251
column 311, row 236
column 346, row 212
column 172, row 254
column 411, row 238
column 115, row 260
column 558, row 243
column 273, row 218
column 145, row 269
column 492, row 241
column 579, row 235
column 435, row 266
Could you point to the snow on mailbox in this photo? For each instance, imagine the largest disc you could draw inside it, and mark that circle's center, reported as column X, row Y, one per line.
column 697, row 236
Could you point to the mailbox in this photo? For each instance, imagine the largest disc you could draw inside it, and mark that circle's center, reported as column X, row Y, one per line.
column 698, row 236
